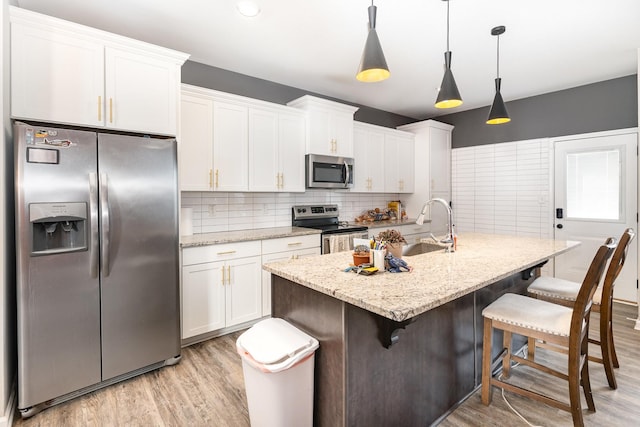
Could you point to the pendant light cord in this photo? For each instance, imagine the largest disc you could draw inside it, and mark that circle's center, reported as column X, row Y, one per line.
column 498, row 58
column 447, row 25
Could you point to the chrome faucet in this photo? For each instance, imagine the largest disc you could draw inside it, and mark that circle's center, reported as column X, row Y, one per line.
column 449, row 238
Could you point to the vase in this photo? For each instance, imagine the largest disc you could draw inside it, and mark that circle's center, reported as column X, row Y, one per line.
column 360, row 259
column 395, row 249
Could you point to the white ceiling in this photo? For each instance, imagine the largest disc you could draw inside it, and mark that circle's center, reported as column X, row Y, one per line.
column 316, row 45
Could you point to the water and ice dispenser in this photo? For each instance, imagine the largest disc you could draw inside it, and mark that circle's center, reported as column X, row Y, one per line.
column 58, row 227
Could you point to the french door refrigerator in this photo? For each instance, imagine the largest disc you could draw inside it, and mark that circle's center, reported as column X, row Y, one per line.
column 97, row 260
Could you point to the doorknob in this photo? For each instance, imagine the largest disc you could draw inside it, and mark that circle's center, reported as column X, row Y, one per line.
column 559, row 226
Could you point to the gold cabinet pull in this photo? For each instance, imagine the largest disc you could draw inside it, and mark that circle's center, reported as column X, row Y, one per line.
column 277, row 180
column 294, row 244
column 223, row 278
column 110, row 110
column 229, row 275
column 210, row 178
column 216, row 178
column 99, row 108
column 227, row 252
column 282, row 180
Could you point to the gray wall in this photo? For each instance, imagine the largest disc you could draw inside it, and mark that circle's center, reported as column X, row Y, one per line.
column 202, row 75
column 607, row 105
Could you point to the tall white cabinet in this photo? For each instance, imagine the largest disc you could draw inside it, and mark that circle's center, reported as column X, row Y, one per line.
column 67, row 73
column 432, row 170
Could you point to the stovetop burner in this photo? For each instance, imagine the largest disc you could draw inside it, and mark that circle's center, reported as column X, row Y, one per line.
column 322, row 217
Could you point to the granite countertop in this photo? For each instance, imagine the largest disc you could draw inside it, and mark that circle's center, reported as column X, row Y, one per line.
column 437, row 277
column 206, row 239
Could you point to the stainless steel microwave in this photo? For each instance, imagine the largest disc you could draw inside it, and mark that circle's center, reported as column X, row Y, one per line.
column 328, row 171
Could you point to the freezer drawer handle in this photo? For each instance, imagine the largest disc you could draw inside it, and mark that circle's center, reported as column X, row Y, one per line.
column 95, row 237
column 104, row 211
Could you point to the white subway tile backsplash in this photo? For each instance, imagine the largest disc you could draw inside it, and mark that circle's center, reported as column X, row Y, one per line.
column 214, row 212
column 504, row 188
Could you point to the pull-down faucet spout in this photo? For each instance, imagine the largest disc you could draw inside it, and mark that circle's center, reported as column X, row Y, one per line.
column 449, row 238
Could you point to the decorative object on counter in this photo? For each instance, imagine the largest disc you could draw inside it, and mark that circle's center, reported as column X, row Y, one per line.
column 373, row 65
column 396, row 265
column 393, row 241
column 361, row 255
column 372, row 215
column 498, row 113
column 448, row 94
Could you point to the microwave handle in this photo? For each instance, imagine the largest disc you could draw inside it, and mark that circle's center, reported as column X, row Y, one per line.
column 347, row 174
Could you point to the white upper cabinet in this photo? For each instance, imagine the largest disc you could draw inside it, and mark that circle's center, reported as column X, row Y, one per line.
column 230, row 147
column 232, row 143
column 68, row 73
column 329, row 126
column 195, row 142
column 276, row 150
column 369, row 167
column 399, row 163
column 432, row 167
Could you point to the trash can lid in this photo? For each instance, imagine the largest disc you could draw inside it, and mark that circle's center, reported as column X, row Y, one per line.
column 275, row 345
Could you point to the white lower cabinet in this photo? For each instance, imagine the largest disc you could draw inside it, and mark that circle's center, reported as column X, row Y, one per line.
column 274, row 250
column 221, row 287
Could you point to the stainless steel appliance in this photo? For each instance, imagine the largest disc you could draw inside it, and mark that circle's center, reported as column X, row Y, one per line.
column 336, row 235
column 97, row 260
column 328, row 171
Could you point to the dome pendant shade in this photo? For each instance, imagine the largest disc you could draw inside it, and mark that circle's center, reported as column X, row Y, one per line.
column 373, row 65
column 498, row 113
column 449, row 95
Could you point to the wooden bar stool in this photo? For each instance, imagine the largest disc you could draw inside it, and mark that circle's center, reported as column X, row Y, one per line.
column 551, row 323
column 565, row 292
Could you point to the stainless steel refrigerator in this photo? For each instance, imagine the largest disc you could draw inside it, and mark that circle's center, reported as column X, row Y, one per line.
column 97, row 260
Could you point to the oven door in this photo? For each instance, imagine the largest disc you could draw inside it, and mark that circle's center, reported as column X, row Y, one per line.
column 341, row 242
column 328, row 171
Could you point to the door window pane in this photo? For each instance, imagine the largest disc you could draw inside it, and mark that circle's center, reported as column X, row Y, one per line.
column 593, row 185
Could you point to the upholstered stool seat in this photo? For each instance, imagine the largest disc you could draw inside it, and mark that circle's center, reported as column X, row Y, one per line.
column 552, row 287
column 529, row 313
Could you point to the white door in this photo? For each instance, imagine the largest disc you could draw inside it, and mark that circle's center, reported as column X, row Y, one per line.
column 291, row 131
column 203, row 299
column 195, row 144
column 596, row 198
column 243, row 290
column 264, row 174
column 140, row 92
column 230, row 147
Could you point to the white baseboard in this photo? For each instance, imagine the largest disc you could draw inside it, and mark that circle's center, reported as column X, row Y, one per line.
column 637, row 324
column 6, row 420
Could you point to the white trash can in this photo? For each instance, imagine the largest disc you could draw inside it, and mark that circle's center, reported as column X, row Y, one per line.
column 277, row 362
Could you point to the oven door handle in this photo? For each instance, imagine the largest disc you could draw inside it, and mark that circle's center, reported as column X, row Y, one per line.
column 347, row 174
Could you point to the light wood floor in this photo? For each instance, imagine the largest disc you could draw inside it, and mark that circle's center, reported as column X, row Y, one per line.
column 206, row 389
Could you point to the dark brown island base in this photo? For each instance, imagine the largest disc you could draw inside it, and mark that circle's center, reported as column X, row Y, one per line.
column 403, row 349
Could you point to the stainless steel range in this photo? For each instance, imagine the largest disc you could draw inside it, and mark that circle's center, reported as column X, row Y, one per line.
column 336, row 235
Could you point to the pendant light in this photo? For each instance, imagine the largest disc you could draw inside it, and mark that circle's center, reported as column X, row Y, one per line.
column 448, row 95
column 373, row 66
column 498, row 113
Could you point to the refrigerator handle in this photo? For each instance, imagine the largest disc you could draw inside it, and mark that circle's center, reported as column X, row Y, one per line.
column 104, row 212
column 93, row 218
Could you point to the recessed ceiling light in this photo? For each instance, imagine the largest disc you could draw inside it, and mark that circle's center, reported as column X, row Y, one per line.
column 248, row 8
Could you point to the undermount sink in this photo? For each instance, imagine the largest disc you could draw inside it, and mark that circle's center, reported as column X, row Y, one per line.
column 421, row 248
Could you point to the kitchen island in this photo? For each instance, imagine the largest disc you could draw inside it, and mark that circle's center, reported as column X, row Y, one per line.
column 402, row 348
